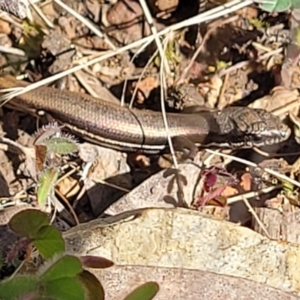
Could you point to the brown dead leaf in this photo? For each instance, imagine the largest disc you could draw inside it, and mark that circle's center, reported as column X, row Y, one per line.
column 245, row 184
column 248, row 12
column 163, row 5
column 124, row 12
column 138, row 160
column 5, row 27
column 145, row 87
column 68, row 187
column 230, row 191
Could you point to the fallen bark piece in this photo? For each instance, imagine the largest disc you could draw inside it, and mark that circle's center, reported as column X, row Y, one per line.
column 180, row 238
column 281, row 225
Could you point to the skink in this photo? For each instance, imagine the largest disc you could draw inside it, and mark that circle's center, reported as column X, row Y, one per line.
column 127, row 129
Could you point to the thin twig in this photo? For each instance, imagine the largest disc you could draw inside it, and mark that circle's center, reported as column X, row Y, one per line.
column 209, row 15
column 126, row 80
column 12, row 50
column 245, row 63
column 249, row 163
column 201, row 46
column 85, row 22
column 163, row 110
column 140, row 78
column 41, row 14
column 253, row 194
column 154, row 34
column 254, row 214
column 68, row 205
column 82, row 80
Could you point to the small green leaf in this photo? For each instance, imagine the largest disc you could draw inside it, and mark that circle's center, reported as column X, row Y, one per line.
column 60, row 279
column 46, row 184
column 296, row 3
column 93, row 287
column 28, row 222
column 276, row 5
column 146, row 291
column 49, row 241
column 61, row 145
column 47, row 132
column 65, row 266
column 63, row 289
column 19, row 288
